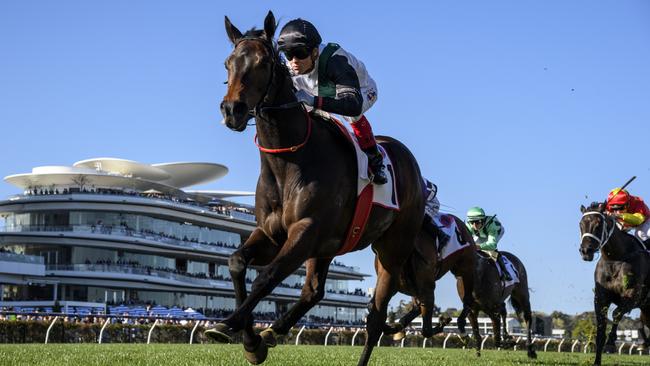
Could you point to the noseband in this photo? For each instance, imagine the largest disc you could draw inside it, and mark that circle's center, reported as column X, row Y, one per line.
column 605, row 234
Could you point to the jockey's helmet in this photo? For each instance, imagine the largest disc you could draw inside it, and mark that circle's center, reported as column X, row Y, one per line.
column 475, row 214
column 298, row 33
column 618, row 198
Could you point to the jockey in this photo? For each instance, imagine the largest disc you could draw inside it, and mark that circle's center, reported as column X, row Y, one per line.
column 487, row 232
column 631, row 212
column 431, row 210
column 331, row 79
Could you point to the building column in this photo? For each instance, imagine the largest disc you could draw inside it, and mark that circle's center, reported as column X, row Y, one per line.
column 56, row 291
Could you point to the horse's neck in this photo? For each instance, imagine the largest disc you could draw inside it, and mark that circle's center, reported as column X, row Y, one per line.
column 619, row 247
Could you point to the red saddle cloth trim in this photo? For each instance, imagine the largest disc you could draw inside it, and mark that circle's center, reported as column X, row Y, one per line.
column 359, row 220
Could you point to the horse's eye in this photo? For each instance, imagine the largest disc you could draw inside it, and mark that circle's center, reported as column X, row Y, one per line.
column 226, row 82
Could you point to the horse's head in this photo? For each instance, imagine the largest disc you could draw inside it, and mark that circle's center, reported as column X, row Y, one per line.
column 250, row 72
column 596, row 227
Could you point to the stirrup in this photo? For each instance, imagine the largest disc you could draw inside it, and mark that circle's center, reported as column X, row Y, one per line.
column 379, row 177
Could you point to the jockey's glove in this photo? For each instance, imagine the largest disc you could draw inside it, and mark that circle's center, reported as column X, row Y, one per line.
column 305, row 97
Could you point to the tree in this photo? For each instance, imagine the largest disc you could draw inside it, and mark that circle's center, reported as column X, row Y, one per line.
column 585, row 327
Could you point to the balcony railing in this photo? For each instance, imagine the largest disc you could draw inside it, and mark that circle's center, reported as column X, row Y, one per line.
column 121, row 231
column 20, row 258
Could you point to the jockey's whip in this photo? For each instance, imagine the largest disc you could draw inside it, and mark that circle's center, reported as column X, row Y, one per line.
column 624, row 185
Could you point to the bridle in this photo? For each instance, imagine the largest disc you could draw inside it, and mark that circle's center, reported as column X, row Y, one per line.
column 605, row 234
column 260, row 107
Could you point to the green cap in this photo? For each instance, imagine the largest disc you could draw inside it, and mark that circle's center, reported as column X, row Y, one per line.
column 475, row 214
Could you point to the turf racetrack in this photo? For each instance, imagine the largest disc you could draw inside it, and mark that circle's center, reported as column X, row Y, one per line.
column 214, row 354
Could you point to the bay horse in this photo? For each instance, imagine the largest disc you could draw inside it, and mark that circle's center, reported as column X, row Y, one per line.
column 305, row 197
column 424, row 268
column 622, row 274
column 490, row 295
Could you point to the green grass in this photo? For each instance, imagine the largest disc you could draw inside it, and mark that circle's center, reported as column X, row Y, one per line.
column 213, row 354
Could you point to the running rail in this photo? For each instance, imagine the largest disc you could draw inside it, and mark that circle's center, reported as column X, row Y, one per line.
column 299, row 333
column 355, row 335
column 47, row 335
column 101, row 332
column 328, row 335
column 151, row 330
column 194, row 330
column 573, row 346
column 380, row 337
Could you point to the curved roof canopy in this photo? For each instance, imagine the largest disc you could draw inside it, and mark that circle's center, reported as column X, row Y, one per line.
column 166, row 178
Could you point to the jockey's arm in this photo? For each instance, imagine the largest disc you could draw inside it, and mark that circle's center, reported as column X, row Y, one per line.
column 348, row 100
column 492, row 237
column 632, row 219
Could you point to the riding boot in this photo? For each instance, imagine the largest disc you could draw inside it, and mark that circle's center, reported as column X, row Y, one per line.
column 504, row 270
column 366, row 139
column 429, row 226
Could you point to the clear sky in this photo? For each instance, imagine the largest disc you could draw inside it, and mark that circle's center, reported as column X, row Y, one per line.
column 526, row 108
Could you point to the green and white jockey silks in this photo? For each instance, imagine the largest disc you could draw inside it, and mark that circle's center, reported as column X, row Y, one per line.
column 489, row 235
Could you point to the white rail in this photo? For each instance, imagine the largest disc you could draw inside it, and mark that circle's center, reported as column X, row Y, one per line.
column 355, row 335
column 101, row 332
column 299, row 333
column 559, row 346
column 328, row 335
column 547, row 343
column 194, row 330
column 151, row 330
column 47, row 335
column 573, row 346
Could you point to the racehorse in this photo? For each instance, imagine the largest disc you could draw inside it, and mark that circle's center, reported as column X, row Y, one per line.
column 622, row 274
column 305, row 197
column 424, row 268
column 490, row 294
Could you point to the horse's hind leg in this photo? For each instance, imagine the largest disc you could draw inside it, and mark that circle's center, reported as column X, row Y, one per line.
column 521, row 302
column 496, row 329
column 398, row 329
column 473, row 319
column 312, row 292
column 610, row 344
column 506, row 338
column 384, row 291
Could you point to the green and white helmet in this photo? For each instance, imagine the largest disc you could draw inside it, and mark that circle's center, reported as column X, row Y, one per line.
column 475, row 214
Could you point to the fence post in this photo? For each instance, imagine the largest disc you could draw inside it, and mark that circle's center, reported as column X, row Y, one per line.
column 559, row 346
column 101, row 332
column 632, row 347
column 328, row 335
column 298, row 336
column 193, row 330
column 546, row 344
column 573, row 346
column 424, row 343
column 585, row 348
column 444, row 344
column 151, row 331
column 355, row 335
column 380, row 337
column 403, row 339
column 483, row 342
column 620, row 349
column 516, row 343
column 47, row 335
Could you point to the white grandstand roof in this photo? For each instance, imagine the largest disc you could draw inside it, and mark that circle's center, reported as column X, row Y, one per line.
column 167, row 178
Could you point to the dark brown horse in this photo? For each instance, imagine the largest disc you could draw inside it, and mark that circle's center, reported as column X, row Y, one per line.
column 305, row 199
column 490, row 295
column 424, row 268
column 622, row 274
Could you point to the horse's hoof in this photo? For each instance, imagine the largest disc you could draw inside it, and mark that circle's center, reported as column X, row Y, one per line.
column 268, row 336
column 610, row 348
column 220, row 333
column 258, row 354
column 399, row 336
column 392, row 328
column 444, row 319
column 532, row 354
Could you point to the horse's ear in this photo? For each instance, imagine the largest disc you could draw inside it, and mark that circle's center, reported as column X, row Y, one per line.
column 233, row 33
column 601, row 207
column 583, row 209
column 269, row 26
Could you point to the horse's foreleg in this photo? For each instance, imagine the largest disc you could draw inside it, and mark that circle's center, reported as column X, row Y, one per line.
column 258, row 249
column 473, row 319
column 610, row 344
column 645, row 322
column 461, row 321
column 313, row 291
column 496, row 329
column 600, row 308
column 504, row 321
column 397, row 329
column 295, row 251
column 520, row 299
column 384, row 291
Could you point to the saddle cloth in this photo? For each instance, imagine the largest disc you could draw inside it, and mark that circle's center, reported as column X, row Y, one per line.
column 384, row 195
column 511, row 270
column 447, row 224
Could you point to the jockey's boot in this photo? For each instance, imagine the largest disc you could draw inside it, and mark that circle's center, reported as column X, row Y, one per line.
column 433, row 229
column 365, row 137
column 504, row 270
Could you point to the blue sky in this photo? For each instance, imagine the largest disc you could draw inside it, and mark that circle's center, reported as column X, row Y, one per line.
column 526, row 108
